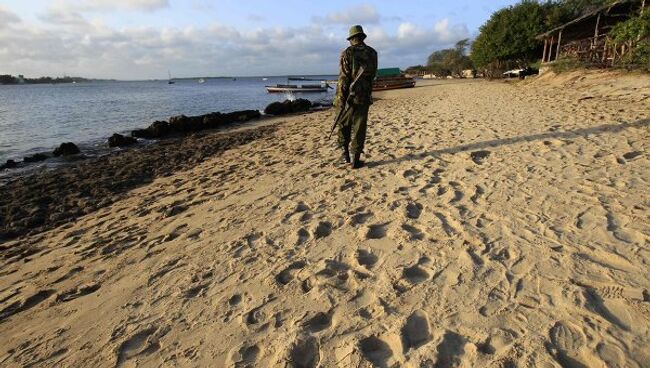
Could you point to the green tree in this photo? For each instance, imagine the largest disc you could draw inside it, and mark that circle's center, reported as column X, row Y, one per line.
column 450, row 61
column 508, row 37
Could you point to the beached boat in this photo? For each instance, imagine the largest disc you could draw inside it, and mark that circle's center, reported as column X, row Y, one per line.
column 391, row 78
column 383, row 84
column 292, row 88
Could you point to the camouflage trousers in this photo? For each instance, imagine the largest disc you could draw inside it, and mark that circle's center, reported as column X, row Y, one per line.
column 352, row 128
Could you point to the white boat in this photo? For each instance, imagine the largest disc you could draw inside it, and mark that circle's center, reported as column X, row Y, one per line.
column 265, row 79
column 201, row 81
column 292, row 88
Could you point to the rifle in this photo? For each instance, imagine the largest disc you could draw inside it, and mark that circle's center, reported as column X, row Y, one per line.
column 345, row 108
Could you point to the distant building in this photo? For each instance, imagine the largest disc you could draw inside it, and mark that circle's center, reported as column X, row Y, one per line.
column 21, row 79
column 469, row 73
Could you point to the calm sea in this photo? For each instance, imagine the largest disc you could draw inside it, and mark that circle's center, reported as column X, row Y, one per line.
column 37, row 118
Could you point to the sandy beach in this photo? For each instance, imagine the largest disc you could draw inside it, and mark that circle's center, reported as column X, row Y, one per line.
column 495, row 225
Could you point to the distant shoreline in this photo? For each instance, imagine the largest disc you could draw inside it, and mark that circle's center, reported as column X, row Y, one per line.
column 72, row 80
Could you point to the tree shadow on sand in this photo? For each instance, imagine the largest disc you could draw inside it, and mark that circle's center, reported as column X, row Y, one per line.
column 494, row 143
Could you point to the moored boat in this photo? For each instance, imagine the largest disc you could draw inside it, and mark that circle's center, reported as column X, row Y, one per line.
column 305, row 88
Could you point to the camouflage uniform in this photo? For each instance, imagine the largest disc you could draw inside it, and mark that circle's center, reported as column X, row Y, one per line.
column 352, row 128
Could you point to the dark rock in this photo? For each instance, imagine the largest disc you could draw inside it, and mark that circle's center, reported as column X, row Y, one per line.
column 35, row 157
column 213, row 120
column 479, row 156
column 118, row 140
column 185, row 124
column 242, row 116
column 288, row 107
column 66, row 149
column 301, row 105
column 157, row 129
column 10, row 164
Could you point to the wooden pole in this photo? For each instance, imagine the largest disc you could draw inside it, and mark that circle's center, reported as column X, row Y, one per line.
column 550, row 48
column 545, row 47
column 559, row 43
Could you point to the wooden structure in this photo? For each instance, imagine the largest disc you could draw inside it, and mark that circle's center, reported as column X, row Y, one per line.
column 586, row 38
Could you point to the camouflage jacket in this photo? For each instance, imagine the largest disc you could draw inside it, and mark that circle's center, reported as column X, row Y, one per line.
column 353, row 58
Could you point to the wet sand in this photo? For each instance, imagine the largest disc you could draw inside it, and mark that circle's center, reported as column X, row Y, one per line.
column 496, row 224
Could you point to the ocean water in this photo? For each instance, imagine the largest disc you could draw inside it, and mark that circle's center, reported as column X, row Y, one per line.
column 37, row 118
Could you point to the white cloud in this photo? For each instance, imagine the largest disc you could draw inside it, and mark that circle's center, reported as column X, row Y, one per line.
column 111, row 5
column 62, row 17
column 7, row 17
column 69, row 43
column 362, row 14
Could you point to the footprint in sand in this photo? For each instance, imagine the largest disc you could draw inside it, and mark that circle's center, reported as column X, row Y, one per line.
column 77, row 292
column 287, row 275
column 321, row 321
column 323, row 229
column 366, row 258
column 23, row 305
column 246, row 356
column 416, row 332
column 455, row 351
column 235, row 300
column 140, row 343
column 301, row 209
column 496, row 301
column 305, row 353
column 302, row 236
column 70, row 273
column 360, row 218
column 413, row 210
column 413, row 232
column 375, row 231
column 415, row 274
column 570, row 343
column 380, row 351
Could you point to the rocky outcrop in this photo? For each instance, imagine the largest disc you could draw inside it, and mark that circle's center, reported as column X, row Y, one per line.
column 118, row 140
column 182, row 124
column 157, row 129
column 185, row 124
column 288, row 107
column 35, row 158
column 10, row 164
column 66, row 149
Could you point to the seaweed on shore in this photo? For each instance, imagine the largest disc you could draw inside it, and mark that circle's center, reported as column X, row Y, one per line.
column 43, row 200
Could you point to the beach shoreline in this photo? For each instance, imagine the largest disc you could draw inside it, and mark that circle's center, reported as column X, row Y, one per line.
column 495, row 223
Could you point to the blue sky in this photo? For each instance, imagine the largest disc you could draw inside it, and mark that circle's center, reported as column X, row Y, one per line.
column 139, row 39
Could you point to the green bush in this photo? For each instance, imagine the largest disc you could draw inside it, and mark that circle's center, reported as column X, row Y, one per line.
column 635, row 33
column 566, row 64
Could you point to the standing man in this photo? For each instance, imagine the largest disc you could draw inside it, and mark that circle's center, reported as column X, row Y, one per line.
column 355, row 89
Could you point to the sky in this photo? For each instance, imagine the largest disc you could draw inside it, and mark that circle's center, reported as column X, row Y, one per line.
column 144, row 39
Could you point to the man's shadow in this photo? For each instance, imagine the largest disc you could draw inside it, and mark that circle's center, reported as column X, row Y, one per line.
column 572, row 134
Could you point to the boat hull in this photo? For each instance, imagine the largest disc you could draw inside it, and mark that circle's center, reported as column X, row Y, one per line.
column 294, row 90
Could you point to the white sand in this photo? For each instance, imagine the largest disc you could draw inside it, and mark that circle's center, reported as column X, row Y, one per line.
column 274, row 255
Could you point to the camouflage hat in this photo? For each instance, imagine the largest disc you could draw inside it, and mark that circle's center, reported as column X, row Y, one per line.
column 356, row 30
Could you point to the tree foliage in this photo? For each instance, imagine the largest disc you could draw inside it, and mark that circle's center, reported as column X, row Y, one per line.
column 635, row 33
column 509, row 35
column 451, row 61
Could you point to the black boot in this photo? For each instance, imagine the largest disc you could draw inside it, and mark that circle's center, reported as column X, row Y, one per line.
column 346, row 155
column 356, row 161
